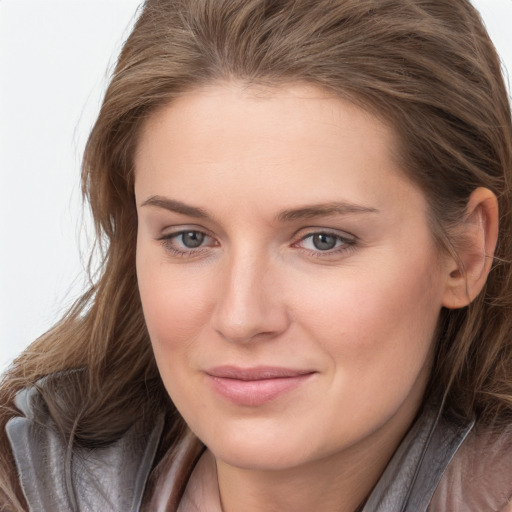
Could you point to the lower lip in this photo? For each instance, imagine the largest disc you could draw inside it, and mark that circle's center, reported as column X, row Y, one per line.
column 255, row 392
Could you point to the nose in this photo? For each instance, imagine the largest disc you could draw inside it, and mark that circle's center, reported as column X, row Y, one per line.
column 249, row 305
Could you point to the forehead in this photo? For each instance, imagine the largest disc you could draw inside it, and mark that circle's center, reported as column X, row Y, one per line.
column 293, row 143
column 268, row 113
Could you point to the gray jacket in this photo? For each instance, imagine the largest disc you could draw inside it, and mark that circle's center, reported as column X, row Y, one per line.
column 113, row 478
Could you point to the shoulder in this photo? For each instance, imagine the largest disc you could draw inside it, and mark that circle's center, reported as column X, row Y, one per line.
column 58, row 475
column 479, row 478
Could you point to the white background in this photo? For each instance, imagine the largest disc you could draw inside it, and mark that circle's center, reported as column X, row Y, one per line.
column 54, row 61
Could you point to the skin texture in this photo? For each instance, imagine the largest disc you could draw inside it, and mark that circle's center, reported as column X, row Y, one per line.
column 257, row 292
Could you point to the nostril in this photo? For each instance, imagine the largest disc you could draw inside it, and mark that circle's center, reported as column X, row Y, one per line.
column 248, row 308
column 243, row 325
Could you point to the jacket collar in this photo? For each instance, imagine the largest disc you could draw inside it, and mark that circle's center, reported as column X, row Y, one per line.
column 412, row 475
column 57, row 479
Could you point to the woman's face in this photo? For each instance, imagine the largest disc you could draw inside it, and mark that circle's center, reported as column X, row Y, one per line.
column 289, row 280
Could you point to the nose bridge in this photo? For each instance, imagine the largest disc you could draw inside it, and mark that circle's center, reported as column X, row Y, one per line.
column 247, row 305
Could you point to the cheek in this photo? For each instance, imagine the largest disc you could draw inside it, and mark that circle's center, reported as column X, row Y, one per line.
column 376, row 329
column 175, row 304
column 374, row 318
column 175, row 311
column 170, row 315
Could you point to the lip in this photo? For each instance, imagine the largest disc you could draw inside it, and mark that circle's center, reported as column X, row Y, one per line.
column 255, row 386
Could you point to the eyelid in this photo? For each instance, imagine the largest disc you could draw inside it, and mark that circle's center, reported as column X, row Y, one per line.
column 349, row 241
column 166, row 240
column 316, row 230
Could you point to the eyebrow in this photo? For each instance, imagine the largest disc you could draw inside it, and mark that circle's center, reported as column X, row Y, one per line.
column 289, row 215
column 323, row 210
column 176, row 206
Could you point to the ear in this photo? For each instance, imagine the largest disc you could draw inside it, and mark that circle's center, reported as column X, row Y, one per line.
column 478, row 235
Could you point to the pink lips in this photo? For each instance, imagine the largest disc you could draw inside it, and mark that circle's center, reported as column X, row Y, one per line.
column 255, row 386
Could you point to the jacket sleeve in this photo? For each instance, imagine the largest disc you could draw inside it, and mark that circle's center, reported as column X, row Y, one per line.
column 57, row 477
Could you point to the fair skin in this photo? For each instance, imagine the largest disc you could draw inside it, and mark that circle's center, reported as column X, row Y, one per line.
column 291, row 289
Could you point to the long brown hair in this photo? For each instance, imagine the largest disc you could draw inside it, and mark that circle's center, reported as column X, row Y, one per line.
column 427, row 68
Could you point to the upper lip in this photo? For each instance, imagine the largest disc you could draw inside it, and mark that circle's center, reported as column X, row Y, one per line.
column 255, row 373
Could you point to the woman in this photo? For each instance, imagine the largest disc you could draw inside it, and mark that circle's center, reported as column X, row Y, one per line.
column 304, row 302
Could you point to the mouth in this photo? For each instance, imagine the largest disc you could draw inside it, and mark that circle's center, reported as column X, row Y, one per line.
column 255, row 386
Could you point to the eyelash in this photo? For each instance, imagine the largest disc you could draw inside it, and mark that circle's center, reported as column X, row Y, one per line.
column 345, row 244
column 168, row 240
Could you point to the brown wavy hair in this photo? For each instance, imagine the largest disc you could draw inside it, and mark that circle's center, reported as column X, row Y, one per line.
column 428, row 68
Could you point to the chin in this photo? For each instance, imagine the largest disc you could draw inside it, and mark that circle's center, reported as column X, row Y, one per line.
column 260, row 457
column 262, row 449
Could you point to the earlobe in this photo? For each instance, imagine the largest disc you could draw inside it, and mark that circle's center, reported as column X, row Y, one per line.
column 475, row 250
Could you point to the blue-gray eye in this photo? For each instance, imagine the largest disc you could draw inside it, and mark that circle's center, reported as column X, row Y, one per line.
column 192, row 239
column 324, row 241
